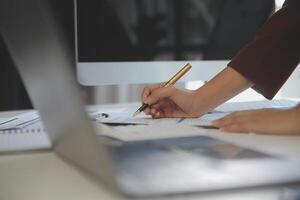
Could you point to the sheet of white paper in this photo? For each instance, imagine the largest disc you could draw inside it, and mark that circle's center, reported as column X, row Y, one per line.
column 6, row 120
column 145, row 132
column 126, row 118
column 19, row 121
column 205, row 120
column 235, row 106
column 31, row 137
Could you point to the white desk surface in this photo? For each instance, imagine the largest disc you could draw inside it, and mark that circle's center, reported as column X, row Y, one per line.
column 43, row 175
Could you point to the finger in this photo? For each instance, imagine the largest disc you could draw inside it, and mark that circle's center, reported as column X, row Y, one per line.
column 153, row 111
column 228, row 119
column 149, row 108
column 157, row 115
column 158, row 110
column 158, row 94
column 147, row 90
column 162, row 108
column 169, row 109
column 147, row 111
column 157, row 106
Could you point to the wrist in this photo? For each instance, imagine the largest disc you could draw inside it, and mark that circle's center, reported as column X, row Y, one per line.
column 204, row 100
column 194, row 110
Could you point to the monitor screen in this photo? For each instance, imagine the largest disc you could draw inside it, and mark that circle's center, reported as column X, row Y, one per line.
column 118, row 31
column 144, row 30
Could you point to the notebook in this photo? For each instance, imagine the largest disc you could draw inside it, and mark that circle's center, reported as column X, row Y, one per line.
column 31, row 137
column 19, row 121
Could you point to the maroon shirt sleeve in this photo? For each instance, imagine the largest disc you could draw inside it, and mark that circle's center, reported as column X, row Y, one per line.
column 273, row 54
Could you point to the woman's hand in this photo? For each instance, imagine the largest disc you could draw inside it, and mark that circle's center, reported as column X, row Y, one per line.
column 168, row 101
column 265, row 121
column 173, row 102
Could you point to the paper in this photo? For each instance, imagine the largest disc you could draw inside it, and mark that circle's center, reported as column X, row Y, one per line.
column 6, row 120
column 23, row 132
column 125, row 116
column 31, row 137
column 20, row 121
column 205, row 120
column 236, row 106
column 147, row 128
column 145, row 132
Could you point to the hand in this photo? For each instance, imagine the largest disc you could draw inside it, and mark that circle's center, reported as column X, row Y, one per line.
column 265, row 121
column 172, row 102
column 167, row 102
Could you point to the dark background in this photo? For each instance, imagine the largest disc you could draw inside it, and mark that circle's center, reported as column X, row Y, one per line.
column 162, row 30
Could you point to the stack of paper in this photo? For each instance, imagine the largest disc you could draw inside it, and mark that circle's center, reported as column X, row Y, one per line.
column 19, row 121
column 23, row 132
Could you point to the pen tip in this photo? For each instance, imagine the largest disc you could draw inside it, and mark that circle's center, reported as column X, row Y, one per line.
column 135, row 113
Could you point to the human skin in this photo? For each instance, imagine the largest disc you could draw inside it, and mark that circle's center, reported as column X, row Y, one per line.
column 263, row 121
column 173, row 102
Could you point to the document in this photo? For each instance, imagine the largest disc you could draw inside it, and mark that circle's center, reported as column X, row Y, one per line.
column 5, row 120
column 238, row 106
column 145, row 132
column 19, row 121
column 125, row 116
column 31, row 137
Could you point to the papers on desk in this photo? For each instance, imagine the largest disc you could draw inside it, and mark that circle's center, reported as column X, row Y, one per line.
column 124, row 117
column 164, row 128
column 23, row 132
column 147, row 132
column 26, row 131
column 31, row 137
column 127, row 119
column 238, row 106
column 19, row 121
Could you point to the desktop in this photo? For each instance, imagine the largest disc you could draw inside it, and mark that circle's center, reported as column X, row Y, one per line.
column 45, row 66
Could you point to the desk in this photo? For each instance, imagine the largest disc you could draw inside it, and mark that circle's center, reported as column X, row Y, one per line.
column 43, row 175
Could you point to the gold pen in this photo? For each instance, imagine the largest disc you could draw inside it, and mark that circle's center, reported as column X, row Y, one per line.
column 173, row 80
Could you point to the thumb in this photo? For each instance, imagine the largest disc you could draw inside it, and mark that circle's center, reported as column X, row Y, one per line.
column 158, row 94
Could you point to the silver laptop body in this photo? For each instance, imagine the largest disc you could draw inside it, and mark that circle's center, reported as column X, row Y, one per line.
column 144, row 168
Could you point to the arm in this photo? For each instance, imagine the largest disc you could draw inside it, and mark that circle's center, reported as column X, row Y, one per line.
column 265, row 63
column 172, row 102
column 273, row 54
column 222, row 87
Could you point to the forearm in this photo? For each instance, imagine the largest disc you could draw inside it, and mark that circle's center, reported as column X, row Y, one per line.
column 218, row 90
column 297, row 108
column 294, row 120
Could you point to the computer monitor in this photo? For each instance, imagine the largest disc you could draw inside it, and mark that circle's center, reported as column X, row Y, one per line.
column 142, row 41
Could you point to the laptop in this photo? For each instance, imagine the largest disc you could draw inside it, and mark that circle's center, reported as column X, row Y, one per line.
column 137, row 168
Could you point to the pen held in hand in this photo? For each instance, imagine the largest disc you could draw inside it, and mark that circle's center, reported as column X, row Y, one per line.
column 172, row 81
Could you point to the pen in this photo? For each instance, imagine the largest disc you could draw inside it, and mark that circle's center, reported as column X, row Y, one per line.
column 173, row 80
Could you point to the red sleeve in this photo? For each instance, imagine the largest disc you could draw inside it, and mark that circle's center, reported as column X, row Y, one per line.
column 274, row 53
